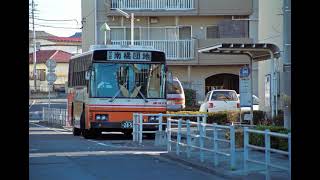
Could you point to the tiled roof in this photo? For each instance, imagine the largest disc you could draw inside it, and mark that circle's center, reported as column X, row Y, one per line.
column 76, row 35
column 57, row 55
column 40, row 34
column 63, row 39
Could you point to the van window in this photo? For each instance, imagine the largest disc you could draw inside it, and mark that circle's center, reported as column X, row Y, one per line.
column 224, row 96
column 175, row 88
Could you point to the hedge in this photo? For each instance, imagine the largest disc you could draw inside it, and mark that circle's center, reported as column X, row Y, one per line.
column 224, row 117
column 258, row 139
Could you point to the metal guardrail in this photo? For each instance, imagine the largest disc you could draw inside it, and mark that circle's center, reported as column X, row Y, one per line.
column 55, row 116
column 200, row 125
column 267, row 150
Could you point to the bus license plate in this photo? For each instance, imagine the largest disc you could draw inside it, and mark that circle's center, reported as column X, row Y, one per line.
column 126, row 124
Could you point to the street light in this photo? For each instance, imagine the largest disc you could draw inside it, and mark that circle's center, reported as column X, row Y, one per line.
column 105, row 28
column 132, row 21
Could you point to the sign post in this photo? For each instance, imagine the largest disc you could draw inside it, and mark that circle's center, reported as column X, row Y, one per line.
column 246, row 91
column 51, row 76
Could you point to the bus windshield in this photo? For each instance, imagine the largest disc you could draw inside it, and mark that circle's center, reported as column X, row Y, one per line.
column 127, row 80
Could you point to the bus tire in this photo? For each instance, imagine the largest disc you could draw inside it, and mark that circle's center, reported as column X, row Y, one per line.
column 76, row 131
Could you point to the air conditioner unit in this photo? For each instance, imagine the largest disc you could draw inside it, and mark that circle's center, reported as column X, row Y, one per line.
column 154, row 20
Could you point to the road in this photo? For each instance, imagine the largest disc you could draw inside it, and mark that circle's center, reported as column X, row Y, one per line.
column 56, row 154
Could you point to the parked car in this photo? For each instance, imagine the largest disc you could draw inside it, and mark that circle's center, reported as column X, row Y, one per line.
column 220, row 100
column 175, row 96
column 255, row 103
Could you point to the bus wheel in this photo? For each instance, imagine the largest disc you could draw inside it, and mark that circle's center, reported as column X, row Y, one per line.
column 87, row 134
column 76, row 131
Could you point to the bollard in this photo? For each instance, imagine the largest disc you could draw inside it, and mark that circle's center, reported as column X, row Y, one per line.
column 267, row 152
column 198, row 123
column 215, row 145
column 188, row 139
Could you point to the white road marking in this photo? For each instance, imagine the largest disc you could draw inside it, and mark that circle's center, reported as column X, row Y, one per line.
column 87, row 153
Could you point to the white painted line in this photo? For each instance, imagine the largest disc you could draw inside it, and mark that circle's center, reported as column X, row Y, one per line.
column 87, row 153
column 53, row 129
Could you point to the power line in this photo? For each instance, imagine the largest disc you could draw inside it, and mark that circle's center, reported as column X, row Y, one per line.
column 56, row 26
column 56, row 19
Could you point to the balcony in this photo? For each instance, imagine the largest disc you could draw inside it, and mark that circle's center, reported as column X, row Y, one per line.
column 174, row 49
column 152, row 4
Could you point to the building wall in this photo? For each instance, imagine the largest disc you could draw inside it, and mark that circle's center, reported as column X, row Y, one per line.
column 69, row 49
column 270, row 31
column 61, row 71
column 88, row 31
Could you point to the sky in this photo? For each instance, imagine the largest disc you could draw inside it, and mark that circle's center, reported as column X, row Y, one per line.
column 57, row 10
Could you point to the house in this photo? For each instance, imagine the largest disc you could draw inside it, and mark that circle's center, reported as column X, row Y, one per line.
column 62, row 60
column 179, row 28
column 46, row 41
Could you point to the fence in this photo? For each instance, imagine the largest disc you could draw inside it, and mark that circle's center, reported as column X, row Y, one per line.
column 138, row 123
column 55, row 116
column 267, row 150
column 190, row 130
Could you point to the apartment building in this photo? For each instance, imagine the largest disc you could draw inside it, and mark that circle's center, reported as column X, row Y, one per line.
column 180, row 28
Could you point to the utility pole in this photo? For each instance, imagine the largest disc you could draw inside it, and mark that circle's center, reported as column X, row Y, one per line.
column 34, row 51
column 287, row 62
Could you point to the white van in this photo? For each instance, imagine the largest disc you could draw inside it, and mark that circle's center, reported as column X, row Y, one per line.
column 220, row 100
column 175, row 96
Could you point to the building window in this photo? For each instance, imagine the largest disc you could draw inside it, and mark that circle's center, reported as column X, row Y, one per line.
column 212, row 32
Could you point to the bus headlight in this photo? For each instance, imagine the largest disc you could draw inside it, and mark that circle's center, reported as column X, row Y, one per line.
column 103, row 117
column 98, row 117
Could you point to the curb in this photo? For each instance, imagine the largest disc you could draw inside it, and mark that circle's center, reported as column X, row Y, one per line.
column 200, row 167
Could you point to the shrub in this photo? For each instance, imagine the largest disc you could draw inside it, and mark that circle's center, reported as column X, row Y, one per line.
column 191, row 99
column 276, row 142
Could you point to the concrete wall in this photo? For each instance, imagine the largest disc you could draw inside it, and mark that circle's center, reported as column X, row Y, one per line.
column 225, row 7
column 270, row 31
column 88, row 31
column 61, row 71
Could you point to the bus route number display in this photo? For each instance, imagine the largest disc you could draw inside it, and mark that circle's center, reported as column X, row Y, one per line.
column 129, row 56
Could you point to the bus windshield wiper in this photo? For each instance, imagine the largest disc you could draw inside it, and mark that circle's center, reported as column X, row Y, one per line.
column 111, row 100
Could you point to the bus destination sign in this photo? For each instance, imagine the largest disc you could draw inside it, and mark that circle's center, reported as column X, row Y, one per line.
column 129, row 55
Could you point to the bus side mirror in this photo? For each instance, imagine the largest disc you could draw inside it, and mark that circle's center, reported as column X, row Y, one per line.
column 88, row 75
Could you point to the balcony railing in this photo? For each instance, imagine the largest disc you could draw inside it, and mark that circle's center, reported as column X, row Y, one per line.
column 174, row 49
column 153, row 4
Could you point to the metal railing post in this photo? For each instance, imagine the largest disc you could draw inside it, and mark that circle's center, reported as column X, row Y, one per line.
column 178, row 137
column 160, row 122
column 198, row 123
column 201, row 142
column 245, row 149
column 204, row 120
column 134, row 127
column 215, row 145
column 168, row 134
column 140, row 128
column 267, row 152
column 188, row 139
column 289, row 153
column 43, row 116
column 232, row 148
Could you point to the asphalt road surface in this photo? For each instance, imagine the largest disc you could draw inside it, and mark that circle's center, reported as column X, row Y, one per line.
column 56, row 154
